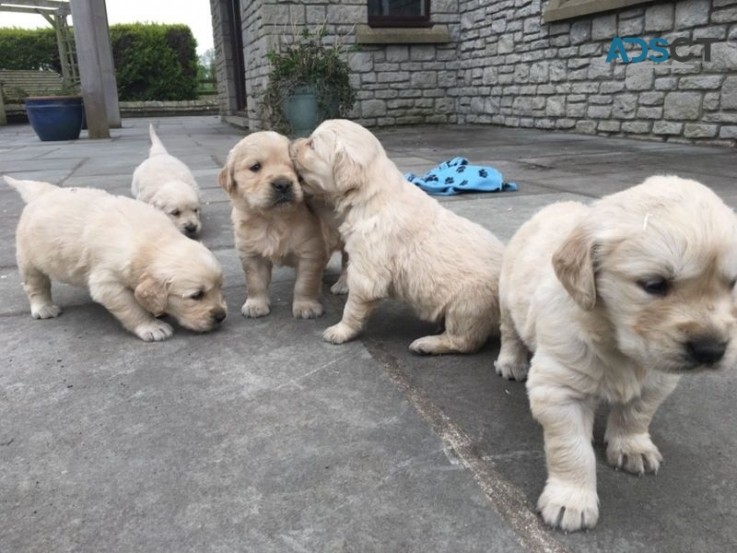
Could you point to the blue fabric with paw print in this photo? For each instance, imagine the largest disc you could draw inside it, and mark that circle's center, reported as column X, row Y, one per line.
column 457, row 176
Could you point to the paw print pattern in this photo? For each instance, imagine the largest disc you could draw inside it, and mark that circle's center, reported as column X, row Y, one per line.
column 460, row 169
column 483, row 173
column 464, row 182
column 449, row 180
column 432, row 178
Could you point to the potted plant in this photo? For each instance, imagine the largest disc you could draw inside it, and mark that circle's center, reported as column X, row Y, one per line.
column 309, row 82
column 57, row 114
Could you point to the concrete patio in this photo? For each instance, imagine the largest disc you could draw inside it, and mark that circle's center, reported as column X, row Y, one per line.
column 260, row 437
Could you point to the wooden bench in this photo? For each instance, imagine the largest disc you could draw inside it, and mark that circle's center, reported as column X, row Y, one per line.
column 17, row 84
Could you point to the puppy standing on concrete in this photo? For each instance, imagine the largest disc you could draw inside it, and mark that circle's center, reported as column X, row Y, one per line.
column 401, row 242
column 166, row 183
column 273, row 225
column 129, row 255
column 616, row 301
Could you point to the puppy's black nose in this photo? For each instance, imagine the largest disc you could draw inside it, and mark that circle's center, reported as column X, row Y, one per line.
column 190, row 228
column 282, row 185
column 706, row 351
column 219, row 316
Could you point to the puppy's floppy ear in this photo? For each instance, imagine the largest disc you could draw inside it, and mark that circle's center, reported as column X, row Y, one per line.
column 347, row 172
column 574, row 266
column 225, row 179
column 151, row 294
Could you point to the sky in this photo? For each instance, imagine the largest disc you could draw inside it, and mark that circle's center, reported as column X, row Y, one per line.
column 193, row 13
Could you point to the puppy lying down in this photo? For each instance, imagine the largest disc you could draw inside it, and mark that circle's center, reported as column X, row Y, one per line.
column 616, row 301
column 131, row 257
column 166, row 183
column 401, row 243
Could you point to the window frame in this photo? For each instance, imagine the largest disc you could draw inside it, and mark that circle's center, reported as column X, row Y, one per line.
column 378, row 21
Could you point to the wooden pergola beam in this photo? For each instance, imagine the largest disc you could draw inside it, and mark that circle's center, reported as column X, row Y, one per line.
column 42, row 4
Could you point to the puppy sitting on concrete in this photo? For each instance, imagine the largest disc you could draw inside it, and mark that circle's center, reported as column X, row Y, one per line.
column 166, row 183
column 130, row 256
column 616, row 301
column 274, row 225
column 401, row 242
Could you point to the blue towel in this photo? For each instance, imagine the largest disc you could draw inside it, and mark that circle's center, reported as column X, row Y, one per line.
column 457, row 176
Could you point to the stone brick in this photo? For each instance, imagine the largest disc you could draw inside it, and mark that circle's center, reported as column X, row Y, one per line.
column 397, row 53
column 393, row 77
column 723, row 57
column 650, row 112
column 360, row 61
column 611, row 87
column 539, row 72
column 652, row 98
column 728, row 131
column 586, row 127
column 659, row 17
column 724, row 16
column 711, row 101
column 624, row 106
column 580, row 32
column 608, row 126
column 729, row 93
column 666, row 83
column 315, row 15
column 555, row 106
column 506, row 44
column 599, row 68
column 422, row 52
column 604, row 27
column 682, row 105
column 599, row 112
column 700, row 130
column 424, row 79
column 576, row 110
column 373, row 108
column 636, row 127
column 690, row 13
column 667, row 127
column 631, row 27
column 639, row 76
column 702, row 82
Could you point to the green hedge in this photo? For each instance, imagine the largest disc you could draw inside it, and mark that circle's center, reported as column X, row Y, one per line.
column 155, row 62
column 152, row 61
column 29, row 49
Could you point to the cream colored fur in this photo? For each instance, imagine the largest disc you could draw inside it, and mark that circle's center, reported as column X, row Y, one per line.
column 401, row 243
column 129, row 255
column 166, row 183
column 616, row 300
column 273, row 224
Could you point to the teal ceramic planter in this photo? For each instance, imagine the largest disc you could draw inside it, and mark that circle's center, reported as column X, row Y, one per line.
column 55, row 117
column 302, row 110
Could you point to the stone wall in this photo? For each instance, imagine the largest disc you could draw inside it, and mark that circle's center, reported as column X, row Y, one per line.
column 503, row 65
column 521, row 72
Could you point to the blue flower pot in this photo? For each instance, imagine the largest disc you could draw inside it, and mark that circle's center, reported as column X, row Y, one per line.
column 55, row 117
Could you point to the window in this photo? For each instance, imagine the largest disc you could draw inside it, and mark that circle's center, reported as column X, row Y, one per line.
column 399, row 13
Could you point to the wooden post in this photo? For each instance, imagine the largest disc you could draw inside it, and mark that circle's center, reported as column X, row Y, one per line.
column 86, row 33
column 107, row 67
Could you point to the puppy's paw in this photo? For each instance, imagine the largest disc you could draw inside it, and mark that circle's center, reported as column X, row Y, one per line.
column 635, row 453
column 431, row 345
column 307, row 309
column 254, row 308
column 511, row 370
column 569, row 508
column 338, row 334
column 48, row 311
column 341, row 285
column 154, row 331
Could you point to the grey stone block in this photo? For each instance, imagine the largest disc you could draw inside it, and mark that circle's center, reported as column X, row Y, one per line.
column 667, row 127
column 690, row 13
column 639, row 76
column 397, row 53
column 682, row 105
column 373, row 108
column 604, row 27
column 700, row 130
column 659, row 17
column 636, row 127
column 702, row 82
column 580, row 32
column 729, row 93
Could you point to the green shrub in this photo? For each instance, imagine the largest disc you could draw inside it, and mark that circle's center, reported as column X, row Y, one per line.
column 154, row 62
column 29, row 49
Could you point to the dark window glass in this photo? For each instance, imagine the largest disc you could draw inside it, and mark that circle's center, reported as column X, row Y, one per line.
column 399, row 13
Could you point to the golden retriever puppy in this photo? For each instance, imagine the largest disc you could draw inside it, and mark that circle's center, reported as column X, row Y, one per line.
column 274, row 225
column 131, row 257
column 166, row 183
column 401, row 243
column 616, row 301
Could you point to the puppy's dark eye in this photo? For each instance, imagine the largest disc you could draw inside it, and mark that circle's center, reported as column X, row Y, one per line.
column 198, row 295
column 732, row 283
column 176, row 213
column 655, row 286
column 256, row 167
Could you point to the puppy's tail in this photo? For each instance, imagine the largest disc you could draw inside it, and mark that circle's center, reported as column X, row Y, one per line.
column 157, row 147
column 29, row 190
